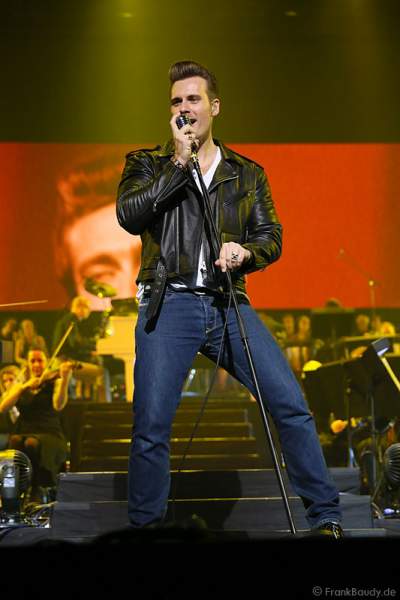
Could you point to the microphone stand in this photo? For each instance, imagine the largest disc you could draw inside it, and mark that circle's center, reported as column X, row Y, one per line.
column 216, row 248
column 372, row 283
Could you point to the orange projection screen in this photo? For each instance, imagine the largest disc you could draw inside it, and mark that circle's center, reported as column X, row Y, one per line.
column 338, row 203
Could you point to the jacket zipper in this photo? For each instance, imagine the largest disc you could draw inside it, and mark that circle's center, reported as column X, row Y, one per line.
column 211, row 189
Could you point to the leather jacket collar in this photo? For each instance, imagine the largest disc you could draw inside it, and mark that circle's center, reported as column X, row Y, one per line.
column 225, row 170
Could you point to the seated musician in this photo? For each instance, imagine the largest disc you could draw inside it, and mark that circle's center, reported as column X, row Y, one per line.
column 297, row 341
column 379, row 329
column 362, row 328
column 8, row 330
column 27, row 338
column 80, row 345
column 8, row 375
column 388, row 328
column 38, row 431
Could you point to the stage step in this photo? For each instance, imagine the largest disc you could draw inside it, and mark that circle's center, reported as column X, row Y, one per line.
column 244, row 514
column 199, row 446
column 249, row 483
column 91, row 504
column 100, row 431
column 228, row 436
column 184, row 414
column 205, row 462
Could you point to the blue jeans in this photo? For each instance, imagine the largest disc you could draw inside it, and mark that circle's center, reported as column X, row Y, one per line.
column 189, row 323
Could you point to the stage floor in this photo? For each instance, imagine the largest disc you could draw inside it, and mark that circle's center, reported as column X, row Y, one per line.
column 233, row 506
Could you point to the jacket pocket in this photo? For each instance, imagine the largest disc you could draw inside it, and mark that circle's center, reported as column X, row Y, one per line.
column 238, row 197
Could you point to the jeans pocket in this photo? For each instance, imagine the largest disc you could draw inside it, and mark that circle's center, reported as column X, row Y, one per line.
column 169, row 295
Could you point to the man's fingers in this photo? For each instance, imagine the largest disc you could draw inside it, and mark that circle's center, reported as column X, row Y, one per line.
column 221, row 262
column 231, row 256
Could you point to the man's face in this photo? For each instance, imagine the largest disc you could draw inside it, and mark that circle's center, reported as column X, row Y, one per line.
column 190, row 97
column 304, row 324
column 100, row 249
column 362, row 323
column 289, row 323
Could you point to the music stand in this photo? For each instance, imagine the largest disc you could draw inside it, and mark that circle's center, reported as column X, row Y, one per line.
column 327, row 392
column 324, row 389
column 365, row 375
column 331, row 324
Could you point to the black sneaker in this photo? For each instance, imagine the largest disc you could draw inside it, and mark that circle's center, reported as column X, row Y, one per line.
column 330, row 529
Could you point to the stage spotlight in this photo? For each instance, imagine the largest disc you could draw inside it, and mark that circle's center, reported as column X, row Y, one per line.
column 15, row 479
column 386, row 499
column 391, row 465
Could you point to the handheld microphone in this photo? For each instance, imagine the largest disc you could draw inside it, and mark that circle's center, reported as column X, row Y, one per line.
column 181, row 121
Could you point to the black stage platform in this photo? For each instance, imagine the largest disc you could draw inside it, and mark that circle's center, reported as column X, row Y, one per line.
column 210, row 506
column 228, row 539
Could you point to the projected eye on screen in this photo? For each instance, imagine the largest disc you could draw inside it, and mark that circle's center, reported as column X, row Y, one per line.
column 337, row 203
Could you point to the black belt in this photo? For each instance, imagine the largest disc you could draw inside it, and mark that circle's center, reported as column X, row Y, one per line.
column 199, row 292
column 159, row 285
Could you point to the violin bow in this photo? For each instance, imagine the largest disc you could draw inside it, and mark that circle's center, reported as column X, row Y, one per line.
column 8, row 304
column 56, row 351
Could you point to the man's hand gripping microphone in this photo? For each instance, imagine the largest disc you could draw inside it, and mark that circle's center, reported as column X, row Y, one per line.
column 181, row 121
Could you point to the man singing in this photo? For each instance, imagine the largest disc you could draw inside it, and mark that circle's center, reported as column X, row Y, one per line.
column 184, row 298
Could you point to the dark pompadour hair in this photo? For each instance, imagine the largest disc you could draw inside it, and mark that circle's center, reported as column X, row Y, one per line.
column 189, row 68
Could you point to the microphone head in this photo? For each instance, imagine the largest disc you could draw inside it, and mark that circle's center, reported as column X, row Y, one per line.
column 183, row 120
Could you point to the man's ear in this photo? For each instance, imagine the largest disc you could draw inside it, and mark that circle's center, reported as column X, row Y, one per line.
column 215, row 107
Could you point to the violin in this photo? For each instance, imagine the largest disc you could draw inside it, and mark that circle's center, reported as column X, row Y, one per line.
column 55, row 373
column 50, row 372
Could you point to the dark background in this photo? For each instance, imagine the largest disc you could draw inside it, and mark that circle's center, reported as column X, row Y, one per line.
column 289, row 70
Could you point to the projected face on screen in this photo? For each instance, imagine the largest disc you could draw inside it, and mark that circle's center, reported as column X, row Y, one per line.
column 90, row 242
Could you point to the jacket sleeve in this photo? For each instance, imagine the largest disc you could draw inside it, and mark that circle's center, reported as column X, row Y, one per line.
column 144, row 191
column 264, row 232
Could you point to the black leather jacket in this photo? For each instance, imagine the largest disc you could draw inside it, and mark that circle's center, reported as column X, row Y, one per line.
column 163, row 204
